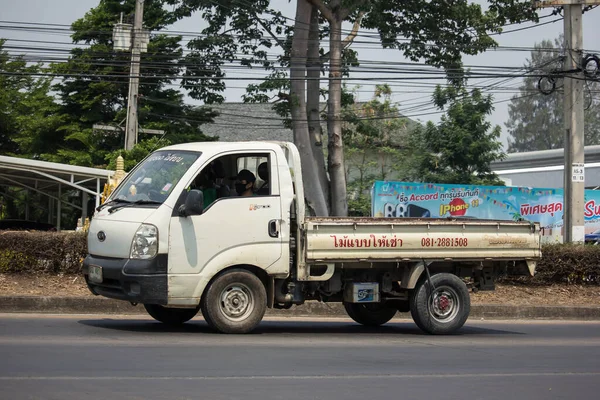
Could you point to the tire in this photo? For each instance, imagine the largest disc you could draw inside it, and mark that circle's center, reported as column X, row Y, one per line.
column 443, row 309
column 170, row 316
column 370, row 314
column 235, row 302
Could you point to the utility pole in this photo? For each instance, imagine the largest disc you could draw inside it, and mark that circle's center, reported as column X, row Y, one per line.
column 574, row 170
column 574, row 179
column 134, row 39
column 131, row 126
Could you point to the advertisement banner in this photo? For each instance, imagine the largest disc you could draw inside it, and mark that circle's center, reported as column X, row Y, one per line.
column 431, row 200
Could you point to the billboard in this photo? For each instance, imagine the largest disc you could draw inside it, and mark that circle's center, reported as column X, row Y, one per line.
column 431, row 200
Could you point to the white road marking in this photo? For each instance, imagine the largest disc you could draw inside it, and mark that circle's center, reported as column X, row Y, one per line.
column 301, row 377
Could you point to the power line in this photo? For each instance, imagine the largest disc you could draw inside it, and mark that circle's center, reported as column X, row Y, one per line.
column 175, row 61
column 45, row 27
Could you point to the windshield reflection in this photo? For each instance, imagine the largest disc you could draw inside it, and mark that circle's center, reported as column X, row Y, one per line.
column 152, row 181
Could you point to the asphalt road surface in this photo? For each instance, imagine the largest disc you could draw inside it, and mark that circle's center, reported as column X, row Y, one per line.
column 111, row 357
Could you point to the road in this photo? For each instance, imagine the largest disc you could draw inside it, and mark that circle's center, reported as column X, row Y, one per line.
column 112, row 357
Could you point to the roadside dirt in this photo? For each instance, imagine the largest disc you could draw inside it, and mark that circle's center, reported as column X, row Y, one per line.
column 43, row 285
column 74, row 286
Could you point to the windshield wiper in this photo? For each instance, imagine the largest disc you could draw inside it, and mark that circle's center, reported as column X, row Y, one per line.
column 128, row 203
column 101, row 206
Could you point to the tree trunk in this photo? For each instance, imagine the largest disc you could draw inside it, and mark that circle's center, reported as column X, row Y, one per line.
column 339, row 203
column 312, row 102
column 310, row 176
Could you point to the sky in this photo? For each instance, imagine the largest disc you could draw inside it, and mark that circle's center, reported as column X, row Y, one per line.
column 411, row 101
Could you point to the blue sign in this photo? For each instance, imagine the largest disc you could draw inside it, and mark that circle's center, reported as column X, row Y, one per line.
column 431, row 200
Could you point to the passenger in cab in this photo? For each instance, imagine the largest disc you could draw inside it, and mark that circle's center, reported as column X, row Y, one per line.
column 244, row 183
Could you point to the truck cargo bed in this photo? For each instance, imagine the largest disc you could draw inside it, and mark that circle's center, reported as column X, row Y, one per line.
column 407, row 239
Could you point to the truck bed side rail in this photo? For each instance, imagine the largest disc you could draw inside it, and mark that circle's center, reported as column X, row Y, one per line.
column 408, row 239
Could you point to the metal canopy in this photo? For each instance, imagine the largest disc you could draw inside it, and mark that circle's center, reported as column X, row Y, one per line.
column 51, row 179
column 545, row 168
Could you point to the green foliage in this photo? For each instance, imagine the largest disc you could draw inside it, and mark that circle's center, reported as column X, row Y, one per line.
column 29, row 114
column 374, row 138
column 461, row 147
column 440, row 32
column 535, row 120
column 46, row 120
column 132, row 157
column 376, row 123
column 95, row 93
column 19, row 203
column 95, row 90
column 359, row 206
column 14, row 261
column 437, row 32
column 237, row 30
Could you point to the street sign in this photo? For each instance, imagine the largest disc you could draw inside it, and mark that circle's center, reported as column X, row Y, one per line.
column 578, row 173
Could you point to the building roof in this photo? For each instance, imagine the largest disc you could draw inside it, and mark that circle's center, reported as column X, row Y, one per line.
column 258, row 122
column 545, row 168
column 247, row 121
column 544, row 158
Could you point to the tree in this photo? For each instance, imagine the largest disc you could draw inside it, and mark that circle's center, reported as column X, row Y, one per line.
column 535, row 120
column 374, row 135
column 298, row 62
column 436, row 32
column 459, row 29
column 95, row 87
column 461, row 147
column 28, row 115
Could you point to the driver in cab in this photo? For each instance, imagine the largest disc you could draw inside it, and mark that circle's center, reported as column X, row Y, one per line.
column 244, row 183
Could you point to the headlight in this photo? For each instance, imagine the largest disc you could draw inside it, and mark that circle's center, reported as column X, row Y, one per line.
column 145, row 242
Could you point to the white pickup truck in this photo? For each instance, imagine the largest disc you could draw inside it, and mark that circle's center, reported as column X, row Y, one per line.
column 174, row 237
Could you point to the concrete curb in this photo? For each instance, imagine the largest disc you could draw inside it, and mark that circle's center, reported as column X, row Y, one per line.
column 100, row 305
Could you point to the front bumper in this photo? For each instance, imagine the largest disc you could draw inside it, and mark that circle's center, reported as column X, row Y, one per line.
column 136, row 281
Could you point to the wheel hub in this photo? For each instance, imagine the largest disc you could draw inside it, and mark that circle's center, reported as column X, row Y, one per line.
column 237, row 302
column 444, row 304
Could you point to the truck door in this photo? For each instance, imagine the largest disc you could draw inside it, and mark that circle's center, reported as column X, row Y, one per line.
column 232, row 230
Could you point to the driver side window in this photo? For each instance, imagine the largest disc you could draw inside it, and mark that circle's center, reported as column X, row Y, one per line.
column 258, row 166
column 232, row 175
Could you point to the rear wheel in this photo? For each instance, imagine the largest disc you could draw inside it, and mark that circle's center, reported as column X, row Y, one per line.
column 443, row 308
column 170, row 316
column 235, row 302
column 370, row 314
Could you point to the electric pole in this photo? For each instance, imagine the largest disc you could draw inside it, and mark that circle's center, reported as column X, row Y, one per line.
column 574, row 170
column 134, row 39
column 131, row 125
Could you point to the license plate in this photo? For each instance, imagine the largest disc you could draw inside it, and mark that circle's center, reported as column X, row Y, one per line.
column 95, row 274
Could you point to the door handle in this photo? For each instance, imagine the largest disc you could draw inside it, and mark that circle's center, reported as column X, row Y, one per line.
column 274, row 228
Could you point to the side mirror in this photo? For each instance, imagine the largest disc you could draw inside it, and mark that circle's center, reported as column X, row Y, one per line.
column 194, row 204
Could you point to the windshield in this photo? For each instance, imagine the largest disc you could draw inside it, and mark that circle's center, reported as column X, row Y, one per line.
column 153, row 180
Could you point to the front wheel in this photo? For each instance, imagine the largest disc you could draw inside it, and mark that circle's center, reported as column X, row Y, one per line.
column 370, row 314
column 235, row 302
column 443, row 308
column 170, row 316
